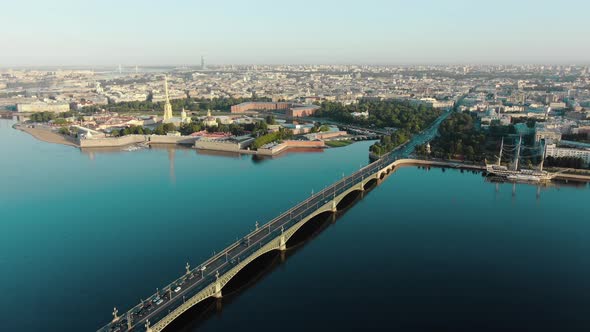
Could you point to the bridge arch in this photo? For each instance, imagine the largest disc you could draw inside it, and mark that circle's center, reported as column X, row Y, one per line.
column 370, row 183
column 215, row 289
column 226, row 278
column 345, row 200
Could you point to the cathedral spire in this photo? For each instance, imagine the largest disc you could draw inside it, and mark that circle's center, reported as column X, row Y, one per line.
column 167, row 105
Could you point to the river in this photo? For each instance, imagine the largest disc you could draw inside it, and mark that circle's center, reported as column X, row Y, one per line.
column 434, row 249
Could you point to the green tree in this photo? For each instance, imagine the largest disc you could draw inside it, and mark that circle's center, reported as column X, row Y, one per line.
column 60, row 121
column 189, row 128
column 270, row 119
column 168, row 127
column 159, row 130
column 64, row 131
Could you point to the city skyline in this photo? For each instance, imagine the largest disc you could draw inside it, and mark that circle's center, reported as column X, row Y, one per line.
column 303, row 166
column 68, row 33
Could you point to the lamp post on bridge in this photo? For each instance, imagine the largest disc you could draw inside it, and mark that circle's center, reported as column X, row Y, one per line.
column 129, row 321
column 115, row 314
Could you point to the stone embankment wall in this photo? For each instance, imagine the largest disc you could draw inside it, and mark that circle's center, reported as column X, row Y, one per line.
column 290, row 144
column 134, row 139
column 160, row 139
column 218, row 146
column 112, row 141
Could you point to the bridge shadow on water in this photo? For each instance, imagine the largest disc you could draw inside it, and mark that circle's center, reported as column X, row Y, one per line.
column 265, row 265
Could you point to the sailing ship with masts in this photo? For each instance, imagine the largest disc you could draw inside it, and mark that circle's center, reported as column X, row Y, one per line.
column 514, row 173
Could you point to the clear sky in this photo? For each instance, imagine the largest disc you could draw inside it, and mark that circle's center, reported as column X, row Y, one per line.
column 176, row 32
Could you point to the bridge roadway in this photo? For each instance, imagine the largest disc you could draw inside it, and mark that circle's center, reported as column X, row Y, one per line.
column 207, row 279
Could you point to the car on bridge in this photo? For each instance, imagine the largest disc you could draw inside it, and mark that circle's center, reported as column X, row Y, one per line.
column 177, row 289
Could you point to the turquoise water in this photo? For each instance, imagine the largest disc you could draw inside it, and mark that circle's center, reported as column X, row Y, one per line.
column 82, row 232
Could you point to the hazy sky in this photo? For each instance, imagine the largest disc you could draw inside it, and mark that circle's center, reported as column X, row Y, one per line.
column 130, row 32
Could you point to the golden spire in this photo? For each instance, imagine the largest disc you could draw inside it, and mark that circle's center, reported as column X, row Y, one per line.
column 167, row 105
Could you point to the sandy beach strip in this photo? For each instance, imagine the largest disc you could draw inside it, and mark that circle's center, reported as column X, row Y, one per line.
column 47, row 135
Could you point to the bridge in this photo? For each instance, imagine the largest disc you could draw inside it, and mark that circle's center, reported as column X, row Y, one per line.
column 208, row 279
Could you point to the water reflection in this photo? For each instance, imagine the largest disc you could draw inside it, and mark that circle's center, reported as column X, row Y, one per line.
column 227, row 154
column 171, row 154
column 499, row 182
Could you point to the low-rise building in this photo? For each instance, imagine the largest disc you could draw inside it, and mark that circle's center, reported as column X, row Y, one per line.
column 553, row 135
column 259, row 106
column 297, row 112
column 40, row 106
column 298, row 129
column 581, row 130
column 557, row 152
column 557, row 106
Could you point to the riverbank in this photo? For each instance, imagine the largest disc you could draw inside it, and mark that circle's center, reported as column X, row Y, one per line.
column 473, row 167
column 46, row 135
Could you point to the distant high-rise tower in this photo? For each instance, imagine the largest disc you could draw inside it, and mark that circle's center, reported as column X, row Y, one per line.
column 203, row 63
column 120, row 69
column 167, row 105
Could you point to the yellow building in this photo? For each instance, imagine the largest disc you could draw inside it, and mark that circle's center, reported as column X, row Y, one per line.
column 210, row 121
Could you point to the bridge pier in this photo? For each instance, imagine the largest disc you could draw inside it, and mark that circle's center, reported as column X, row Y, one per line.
column 334, row 206
column 282, row 243
column 217, row 290
column 217, row 293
